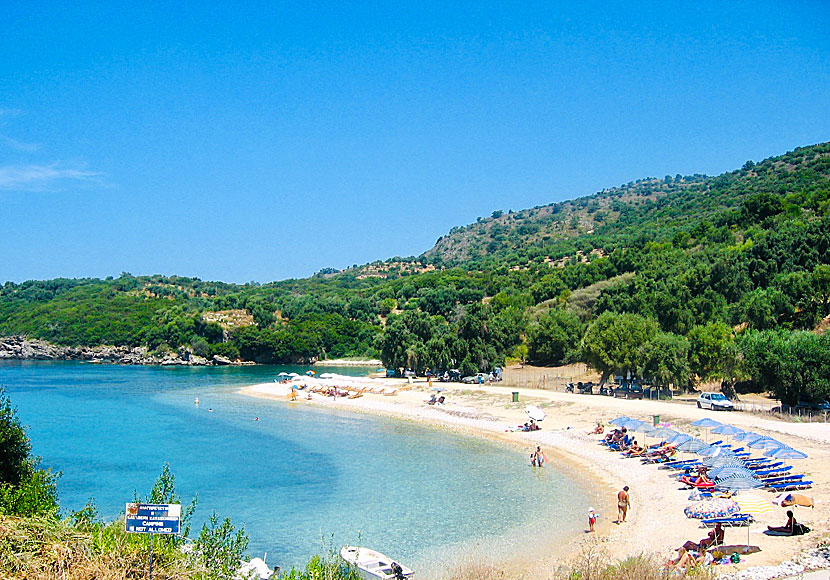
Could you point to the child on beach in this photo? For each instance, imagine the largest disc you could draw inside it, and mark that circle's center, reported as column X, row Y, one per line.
column 592, row 519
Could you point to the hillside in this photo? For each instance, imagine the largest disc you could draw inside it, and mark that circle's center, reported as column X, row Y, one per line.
column 696, row 270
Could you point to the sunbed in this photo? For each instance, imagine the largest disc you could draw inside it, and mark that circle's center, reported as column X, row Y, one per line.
column 790, row 486
column 735, row 520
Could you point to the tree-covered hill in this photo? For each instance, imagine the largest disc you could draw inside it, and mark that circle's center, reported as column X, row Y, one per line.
column 677, row 279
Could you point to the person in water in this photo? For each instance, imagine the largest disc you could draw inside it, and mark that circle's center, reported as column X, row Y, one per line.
column 537, row 458
column 623, row 503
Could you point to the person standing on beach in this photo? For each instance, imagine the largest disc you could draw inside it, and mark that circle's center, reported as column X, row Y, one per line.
column 623, row 503
column 592, row 519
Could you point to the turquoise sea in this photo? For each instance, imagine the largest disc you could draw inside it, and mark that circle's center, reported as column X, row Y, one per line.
column 298, row 478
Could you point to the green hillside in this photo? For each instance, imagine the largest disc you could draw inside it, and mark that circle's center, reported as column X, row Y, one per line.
column 678, row 279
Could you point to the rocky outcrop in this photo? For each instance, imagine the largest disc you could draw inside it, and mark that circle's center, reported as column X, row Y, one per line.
column 22, row 348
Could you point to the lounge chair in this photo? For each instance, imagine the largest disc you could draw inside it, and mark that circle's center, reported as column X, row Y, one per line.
column 790, row 486
column 358, row 394
column 391, row 393
column 735, row 520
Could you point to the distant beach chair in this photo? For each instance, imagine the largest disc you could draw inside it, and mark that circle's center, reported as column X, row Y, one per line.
column 358, row 394
column 391, row 393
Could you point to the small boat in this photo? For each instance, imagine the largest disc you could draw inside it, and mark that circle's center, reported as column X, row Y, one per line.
column 374, row 565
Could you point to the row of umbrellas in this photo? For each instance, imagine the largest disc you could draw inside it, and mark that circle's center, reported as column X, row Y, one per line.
column 728, row 471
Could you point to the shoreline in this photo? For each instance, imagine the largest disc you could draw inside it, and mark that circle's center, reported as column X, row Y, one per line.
column 656, row 521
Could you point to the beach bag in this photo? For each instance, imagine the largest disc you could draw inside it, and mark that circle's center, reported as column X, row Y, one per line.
column 734, row 558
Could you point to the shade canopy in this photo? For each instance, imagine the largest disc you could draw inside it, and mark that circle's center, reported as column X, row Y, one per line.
column 752, row 503
column 766, row 443
column 737, row 482
column 692, row 445
column 722, row 461
column 535, row 413
column 679, row 438
column 785, row 453
column 727, row 430
column 746, row 436
column 666, row 434
column 706, row 422
column 619, row 420
column 713, row 451
column 729, row 471
column 712, row 508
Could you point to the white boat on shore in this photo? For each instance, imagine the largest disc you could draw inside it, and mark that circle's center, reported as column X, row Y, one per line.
column 374, row 565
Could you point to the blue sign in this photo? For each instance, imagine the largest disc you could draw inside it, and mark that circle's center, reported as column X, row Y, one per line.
column 153, row 518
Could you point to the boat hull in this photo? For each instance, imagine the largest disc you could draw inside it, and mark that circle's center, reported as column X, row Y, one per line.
column 373, row 565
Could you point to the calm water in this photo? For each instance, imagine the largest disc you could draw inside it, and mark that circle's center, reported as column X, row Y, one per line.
column 295, row 478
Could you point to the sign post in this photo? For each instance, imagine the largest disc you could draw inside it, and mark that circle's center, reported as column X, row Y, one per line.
column 153, row 518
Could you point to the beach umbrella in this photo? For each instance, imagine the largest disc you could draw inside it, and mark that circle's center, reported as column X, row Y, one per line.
column 766, row 443
column 723, row 461
column 727, row 430
column 707, row 424
column 535, row 413
column 439, row 389
column 787, row 499
column 283, row 374
column 311, row 373
column 729, row 471
column 753, row 438
column 746, row 435
column 752, row 503
column 785, row 453
column 692, row 445
column 713, row 451
column 293, row 375
column 619, row 420
column 737, row 482
column 664, row 433
column 711, row 508
column 678, row 438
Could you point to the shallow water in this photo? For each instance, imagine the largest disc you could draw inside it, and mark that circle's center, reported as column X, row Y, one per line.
column 296, row 478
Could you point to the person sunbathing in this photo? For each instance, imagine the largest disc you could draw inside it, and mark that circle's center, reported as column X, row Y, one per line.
column 714, row 538
column 633, row 449
column 791, row 528
column 597, row 430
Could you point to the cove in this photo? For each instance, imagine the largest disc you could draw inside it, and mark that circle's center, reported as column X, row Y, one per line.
column 301, row 480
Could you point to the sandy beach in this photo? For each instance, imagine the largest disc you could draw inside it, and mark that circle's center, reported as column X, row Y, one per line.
column 656, row 523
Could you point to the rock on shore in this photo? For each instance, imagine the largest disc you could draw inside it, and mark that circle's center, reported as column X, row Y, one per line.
column 22, row 348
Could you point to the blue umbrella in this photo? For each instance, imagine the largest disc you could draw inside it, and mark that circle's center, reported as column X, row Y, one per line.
column 722, row 461
column 766, row 443
column 729, row 471
column 753, row 437
column 745, row 435
column 632, row 424
column 713, row 451
column 737, row 482
column 619, row 420
column 727, row 430
column 664, row 433
column 679, row 438
column 693, row 445
column 706, row 422
column 785, row 453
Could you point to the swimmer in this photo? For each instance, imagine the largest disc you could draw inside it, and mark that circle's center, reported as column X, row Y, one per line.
column 196, row 402
column 256, row 418
column 211, row 409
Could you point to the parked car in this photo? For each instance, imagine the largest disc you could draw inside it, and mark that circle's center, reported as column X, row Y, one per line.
column 629, row 391
column 479, row 378
column 714, row 401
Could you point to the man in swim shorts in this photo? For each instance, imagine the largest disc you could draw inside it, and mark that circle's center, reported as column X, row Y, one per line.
column 623, row 503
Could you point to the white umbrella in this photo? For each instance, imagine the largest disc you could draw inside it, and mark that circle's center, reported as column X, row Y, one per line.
column 535, row 413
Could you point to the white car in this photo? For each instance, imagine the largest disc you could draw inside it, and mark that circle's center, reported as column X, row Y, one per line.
column 714, row 401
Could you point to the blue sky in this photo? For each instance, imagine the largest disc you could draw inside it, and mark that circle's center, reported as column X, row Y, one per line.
column 268, row 141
